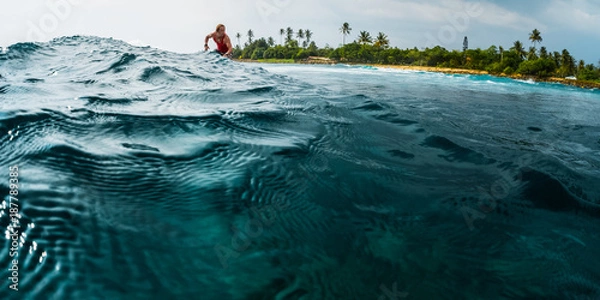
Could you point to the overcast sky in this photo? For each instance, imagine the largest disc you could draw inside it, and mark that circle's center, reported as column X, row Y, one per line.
column 180, row 25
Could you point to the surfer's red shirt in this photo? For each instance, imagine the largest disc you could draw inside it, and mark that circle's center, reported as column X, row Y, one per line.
column 221, row 46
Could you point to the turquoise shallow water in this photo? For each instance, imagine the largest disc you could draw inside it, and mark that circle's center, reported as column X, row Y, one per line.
column 145, row 174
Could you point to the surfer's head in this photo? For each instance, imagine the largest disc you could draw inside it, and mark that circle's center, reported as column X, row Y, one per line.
column 220, row 29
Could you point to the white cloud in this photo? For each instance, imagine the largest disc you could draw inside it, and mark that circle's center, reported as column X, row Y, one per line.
column 500, row 17
column 433, row 12
column 180, row 25
column 578, row 15
column 439, row 11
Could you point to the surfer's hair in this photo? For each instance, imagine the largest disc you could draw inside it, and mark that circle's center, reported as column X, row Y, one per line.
column 219, row 26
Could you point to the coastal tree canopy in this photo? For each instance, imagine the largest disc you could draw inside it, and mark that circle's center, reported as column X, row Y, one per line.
column 364, row 38
column 535, row 37
column 381, row 41
column 345, row 30
column 495, row 59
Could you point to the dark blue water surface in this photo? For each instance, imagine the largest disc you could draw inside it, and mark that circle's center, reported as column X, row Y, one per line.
column 145, row 174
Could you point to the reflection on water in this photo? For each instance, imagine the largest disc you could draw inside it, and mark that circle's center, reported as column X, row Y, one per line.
column 155, row 175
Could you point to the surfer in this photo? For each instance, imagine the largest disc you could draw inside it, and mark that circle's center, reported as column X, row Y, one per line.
column 221, row 39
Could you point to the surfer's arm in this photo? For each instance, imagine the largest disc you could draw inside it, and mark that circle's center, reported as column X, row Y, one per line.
column 229, row 46
column 206, row 40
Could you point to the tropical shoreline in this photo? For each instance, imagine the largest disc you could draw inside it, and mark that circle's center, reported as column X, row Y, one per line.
column 564, row 81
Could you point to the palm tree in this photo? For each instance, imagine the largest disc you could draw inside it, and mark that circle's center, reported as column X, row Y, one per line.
column 281, row 33
column 289, row 35
column 543, row 53
column 308, row 35
column 238, row 36
column 557, row 58
column 365, row 38
column 300, row 35
column 564, row 59
column 532, row 55
column 535, row 37
column 250, row 36
column 345, row 30
column 501, row 49
column 382, row 40
column 518, row 48
column 271, row 42
column 567, row 59
column 567, row 62
column 581, row 65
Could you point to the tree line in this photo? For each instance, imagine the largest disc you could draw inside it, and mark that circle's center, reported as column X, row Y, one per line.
column 297, row 45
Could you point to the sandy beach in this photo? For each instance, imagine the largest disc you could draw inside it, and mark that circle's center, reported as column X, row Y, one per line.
column 432, row 69
column 571, row 82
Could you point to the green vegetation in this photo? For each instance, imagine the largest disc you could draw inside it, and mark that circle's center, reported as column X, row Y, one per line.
column 516, row 61
column 276, row 61
column 345, row 30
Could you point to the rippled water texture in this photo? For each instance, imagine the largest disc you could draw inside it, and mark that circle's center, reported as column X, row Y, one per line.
column 145, row 174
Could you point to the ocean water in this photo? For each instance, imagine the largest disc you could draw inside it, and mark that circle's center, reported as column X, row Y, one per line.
column 145, row 174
